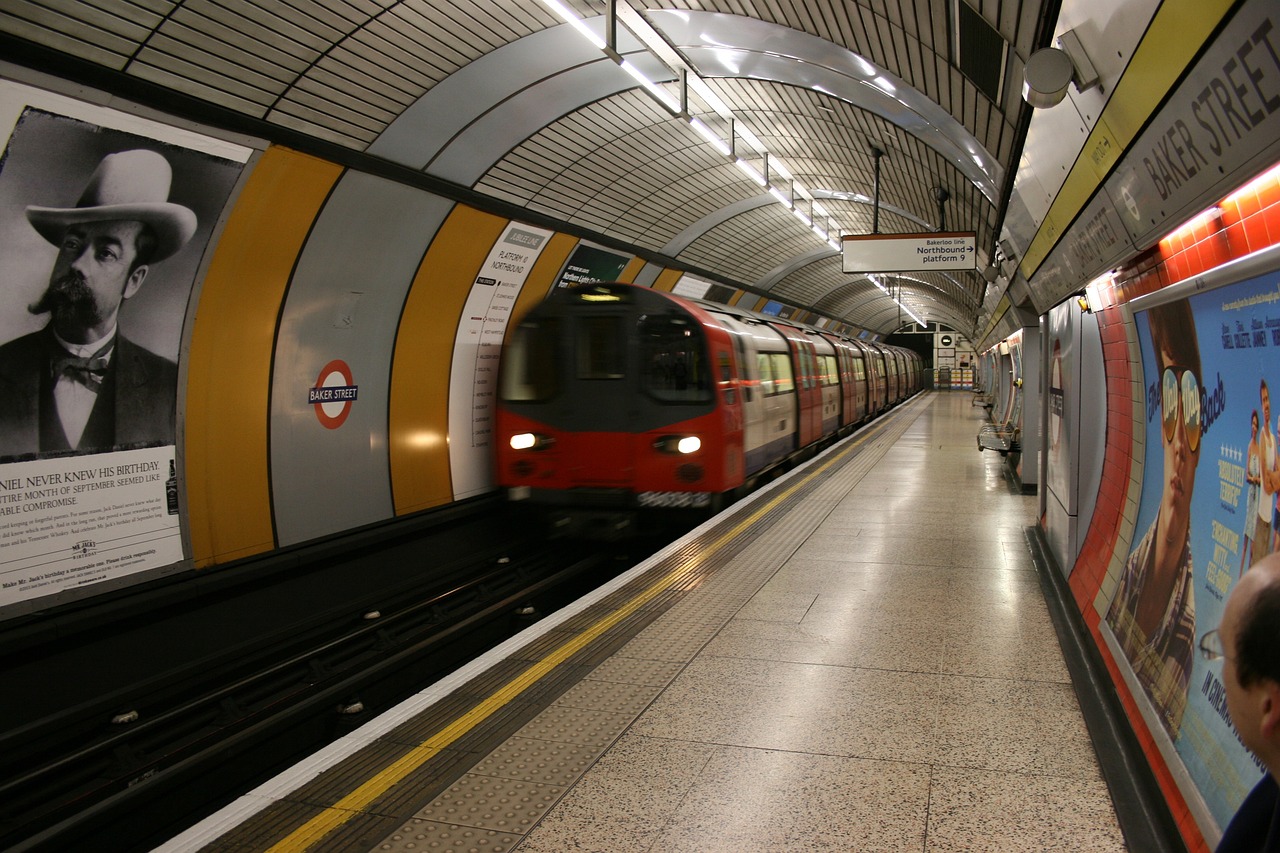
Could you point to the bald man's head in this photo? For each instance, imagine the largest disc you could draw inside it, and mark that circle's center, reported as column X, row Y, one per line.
column 1250, row 632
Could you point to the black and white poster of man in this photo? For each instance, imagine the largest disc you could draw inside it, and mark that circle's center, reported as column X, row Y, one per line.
column 104, row 224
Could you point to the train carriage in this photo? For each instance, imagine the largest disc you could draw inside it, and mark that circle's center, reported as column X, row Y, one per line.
column 617, row 400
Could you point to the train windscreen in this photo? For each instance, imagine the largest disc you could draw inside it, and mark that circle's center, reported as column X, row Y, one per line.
column 529, row 364
column 602, row 352
column 673, row 355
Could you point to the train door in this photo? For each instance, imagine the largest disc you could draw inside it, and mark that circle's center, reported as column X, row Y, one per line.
column 808, row 395
column 599, row 398
column 760, row 411
column 847, row 414
column 827, row 378
column 858, row 361
column 894, row 376
column 778, row 386
column 848, row 398
column 882, row 378
column 877, row 387
column 740, row 398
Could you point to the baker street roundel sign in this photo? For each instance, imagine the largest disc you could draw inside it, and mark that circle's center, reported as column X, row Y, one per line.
column 333, row 394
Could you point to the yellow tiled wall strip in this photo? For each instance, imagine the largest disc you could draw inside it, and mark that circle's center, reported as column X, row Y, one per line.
column 1177, row 32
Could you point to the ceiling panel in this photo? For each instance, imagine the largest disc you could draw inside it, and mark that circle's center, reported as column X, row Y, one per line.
column 618, row 165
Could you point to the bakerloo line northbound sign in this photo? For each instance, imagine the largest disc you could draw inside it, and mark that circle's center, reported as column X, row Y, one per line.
column 866, row 253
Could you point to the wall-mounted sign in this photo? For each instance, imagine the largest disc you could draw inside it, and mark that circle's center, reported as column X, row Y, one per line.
column 89, row 490
column 866, row 253
column 333, row 394
column 477, row 349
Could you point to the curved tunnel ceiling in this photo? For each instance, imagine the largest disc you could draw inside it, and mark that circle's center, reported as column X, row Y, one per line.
column 505, row 97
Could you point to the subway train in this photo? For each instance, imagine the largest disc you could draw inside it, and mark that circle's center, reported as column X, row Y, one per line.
column 618, row 402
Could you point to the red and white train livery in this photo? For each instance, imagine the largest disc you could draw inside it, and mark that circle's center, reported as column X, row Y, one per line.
column 616, row 399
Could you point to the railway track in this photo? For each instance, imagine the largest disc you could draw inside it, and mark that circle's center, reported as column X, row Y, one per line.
column 127, row 768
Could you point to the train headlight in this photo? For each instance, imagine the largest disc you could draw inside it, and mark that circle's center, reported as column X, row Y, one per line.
column 530, row 441
column 682, row 444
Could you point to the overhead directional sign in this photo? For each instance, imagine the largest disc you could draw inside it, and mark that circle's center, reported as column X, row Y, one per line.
column 910, row 252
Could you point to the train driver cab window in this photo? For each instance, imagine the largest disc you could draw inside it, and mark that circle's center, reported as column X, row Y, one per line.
column 673, row 359
column 600, row 350
column 529, row 363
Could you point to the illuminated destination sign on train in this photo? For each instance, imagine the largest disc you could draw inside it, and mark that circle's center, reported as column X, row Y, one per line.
column 910, row 252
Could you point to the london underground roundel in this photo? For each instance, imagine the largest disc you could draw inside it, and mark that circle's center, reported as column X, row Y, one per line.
column 333, row 395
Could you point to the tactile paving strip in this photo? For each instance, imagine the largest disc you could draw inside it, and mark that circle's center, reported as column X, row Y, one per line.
column 487, row 785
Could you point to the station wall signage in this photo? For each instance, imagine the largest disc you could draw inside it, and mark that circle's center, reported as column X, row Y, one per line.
column 872, row 253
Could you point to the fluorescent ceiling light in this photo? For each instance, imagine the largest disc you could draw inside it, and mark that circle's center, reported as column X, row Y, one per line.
column 574, row 21
column 652, row 88
column 751, row 172
column 710, row 135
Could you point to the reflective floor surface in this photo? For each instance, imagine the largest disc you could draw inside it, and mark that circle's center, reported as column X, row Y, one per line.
column 896, row 685
column 859, row 659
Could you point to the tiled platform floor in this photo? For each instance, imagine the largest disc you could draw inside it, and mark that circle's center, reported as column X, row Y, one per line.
column 897, row 685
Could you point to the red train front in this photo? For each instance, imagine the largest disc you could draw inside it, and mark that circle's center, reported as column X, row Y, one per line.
column 613, row 399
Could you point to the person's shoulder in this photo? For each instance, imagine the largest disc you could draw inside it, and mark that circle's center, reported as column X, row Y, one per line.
column 27, row 349
column 1251, row 828
column 28, row 340
column 131, row 349
column 143, row 363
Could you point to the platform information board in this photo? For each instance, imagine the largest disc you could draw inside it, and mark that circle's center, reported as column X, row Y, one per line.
column 869, row 253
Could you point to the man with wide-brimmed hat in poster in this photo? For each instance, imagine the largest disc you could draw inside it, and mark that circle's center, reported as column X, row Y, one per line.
column 79, row 385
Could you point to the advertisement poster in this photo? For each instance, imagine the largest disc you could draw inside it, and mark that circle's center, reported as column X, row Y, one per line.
column 104, row 221
column 1209, row 364
column 477, row 349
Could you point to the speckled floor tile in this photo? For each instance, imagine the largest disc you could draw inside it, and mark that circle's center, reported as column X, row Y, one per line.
column 857, row 640
column 972, row 810
column 772, row 605
column 1016, row 726
column 624, row 801
column 767, row 800
column 1005, row 656
column 817, row 708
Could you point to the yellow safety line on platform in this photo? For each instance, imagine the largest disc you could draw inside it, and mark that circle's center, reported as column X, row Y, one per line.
column 352, row 804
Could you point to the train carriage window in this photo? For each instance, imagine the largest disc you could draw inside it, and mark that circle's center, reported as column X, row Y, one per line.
column 783, row 379
column 764, row 367
column 673, row 358
column 529, row 364
column 601, row 354
column 860, row 369
column 830, row 373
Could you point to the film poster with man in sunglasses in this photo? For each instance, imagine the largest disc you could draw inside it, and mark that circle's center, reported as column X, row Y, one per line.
column 1207, row 512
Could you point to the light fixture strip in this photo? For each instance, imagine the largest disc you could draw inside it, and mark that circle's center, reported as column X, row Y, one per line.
column 574, row 21
column 621, row 10
column 710, row 135
column 651, row 87
column 887, row 293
